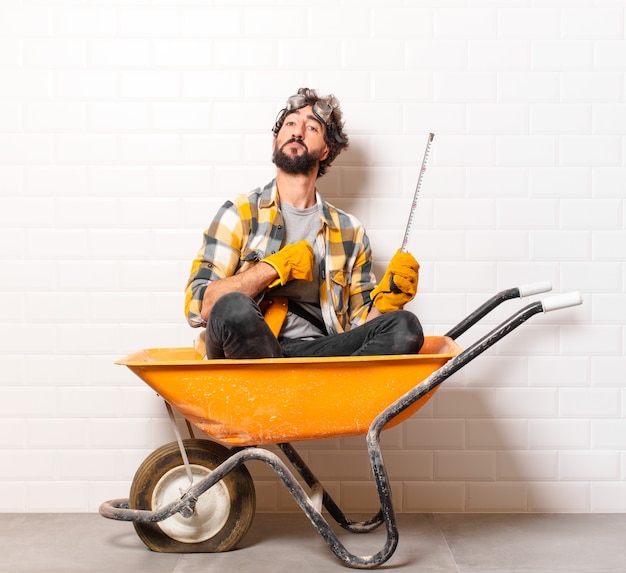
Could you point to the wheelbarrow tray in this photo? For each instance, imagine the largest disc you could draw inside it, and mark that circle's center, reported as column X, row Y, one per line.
column 277, row 400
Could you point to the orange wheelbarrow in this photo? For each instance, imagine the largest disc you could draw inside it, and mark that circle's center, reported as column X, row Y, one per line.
column 196, row 495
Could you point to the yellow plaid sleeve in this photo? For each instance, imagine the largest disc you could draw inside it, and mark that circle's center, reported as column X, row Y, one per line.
column 218, row 257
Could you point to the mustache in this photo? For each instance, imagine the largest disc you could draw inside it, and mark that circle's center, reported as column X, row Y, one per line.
column 294, row 140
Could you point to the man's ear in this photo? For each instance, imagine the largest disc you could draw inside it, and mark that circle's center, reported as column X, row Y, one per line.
column 325, row 153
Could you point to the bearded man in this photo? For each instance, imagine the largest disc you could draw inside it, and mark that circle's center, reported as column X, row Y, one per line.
column 283, row 273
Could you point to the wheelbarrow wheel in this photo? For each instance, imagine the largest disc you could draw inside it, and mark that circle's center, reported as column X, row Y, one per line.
column 222, row 515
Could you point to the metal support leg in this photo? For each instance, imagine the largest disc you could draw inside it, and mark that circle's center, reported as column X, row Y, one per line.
column 327, row 501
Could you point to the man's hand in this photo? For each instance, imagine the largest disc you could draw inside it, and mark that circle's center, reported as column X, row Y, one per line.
column 399, row 284
column 291, row 262
column 294, row 261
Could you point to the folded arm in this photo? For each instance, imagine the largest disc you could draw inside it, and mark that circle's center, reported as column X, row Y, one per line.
column 293, row 261
column 251, row 282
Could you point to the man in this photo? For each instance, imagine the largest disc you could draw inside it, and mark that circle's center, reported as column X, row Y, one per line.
column 284, row 252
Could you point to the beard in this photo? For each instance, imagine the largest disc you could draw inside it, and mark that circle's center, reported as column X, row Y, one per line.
column 295, row 164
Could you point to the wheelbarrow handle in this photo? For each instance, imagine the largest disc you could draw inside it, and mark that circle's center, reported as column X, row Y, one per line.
column 438, row 376
column 534, row 288
column 495, row 301
column 561, row 301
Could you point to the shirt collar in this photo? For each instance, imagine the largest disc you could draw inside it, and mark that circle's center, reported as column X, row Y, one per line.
column 269, row 195
column 269, row 198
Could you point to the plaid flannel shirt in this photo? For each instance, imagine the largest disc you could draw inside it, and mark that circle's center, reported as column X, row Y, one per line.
column 251, row 227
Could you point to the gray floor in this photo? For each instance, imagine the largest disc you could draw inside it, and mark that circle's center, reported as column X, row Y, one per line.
column 440, row 543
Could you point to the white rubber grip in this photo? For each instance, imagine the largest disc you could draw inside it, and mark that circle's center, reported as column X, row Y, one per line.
column 535, row 288
column 561, row 301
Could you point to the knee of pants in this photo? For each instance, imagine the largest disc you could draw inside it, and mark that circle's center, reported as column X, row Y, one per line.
column 234, row 308
column 408, row 333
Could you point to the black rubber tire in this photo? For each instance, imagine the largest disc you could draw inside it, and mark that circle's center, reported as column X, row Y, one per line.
column 209, row 455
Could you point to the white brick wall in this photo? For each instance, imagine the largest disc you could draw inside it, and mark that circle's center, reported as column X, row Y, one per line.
column 123, row 126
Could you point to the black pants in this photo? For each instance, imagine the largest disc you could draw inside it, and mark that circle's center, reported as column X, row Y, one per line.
column 236, row 329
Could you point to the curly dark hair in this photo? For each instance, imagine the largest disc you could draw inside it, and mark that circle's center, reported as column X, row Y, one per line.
column 334, row 135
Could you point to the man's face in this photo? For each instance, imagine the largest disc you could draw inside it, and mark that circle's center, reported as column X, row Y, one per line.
column 299, row 146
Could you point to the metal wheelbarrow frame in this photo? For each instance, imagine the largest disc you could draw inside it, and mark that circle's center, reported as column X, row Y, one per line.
column 229, row 464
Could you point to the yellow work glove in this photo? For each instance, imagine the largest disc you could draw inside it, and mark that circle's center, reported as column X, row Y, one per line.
column 399, row 284
column 294, row 261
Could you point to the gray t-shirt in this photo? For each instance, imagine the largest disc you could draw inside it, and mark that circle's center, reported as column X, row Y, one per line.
column 302, row 224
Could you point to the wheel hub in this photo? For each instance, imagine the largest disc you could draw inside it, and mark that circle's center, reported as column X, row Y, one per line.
column 210, row 513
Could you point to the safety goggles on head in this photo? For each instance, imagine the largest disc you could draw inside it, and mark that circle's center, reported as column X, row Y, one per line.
column 321, row 109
